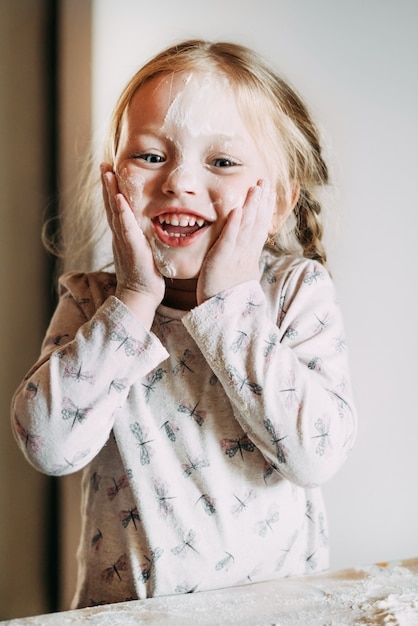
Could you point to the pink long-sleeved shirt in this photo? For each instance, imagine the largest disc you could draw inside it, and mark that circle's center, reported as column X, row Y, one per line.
column 204, row 441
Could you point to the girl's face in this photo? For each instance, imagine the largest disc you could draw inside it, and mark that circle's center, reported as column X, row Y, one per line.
column 185, row 159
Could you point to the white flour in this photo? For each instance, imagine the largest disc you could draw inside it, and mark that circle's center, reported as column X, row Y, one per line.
column 383, row 595
column 184, row 110
column 131, row 186
column 164, row 266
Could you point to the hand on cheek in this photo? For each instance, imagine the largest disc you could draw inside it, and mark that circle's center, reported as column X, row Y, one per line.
column 234, row 257
column 139, row 284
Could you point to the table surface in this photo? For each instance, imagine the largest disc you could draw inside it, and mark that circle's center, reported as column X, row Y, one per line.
column 382, row 593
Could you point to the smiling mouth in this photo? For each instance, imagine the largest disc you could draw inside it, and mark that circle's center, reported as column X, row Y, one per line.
column 179, row 225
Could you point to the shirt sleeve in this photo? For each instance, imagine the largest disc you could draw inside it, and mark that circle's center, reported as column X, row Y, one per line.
column 286, row 375
column 64, row 409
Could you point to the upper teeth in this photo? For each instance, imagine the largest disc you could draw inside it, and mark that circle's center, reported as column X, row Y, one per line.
column 180, row 220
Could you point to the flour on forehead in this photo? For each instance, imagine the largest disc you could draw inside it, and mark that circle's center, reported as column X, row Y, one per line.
column 200, row 92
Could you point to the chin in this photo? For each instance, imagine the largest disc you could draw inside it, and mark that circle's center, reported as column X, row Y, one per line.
column 171, row 264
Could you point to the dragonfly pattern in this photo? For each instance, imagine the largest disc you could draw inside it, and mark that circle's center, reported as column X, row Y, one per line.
column 146, row 568
column 242, row 502
column 232, row 446
column 34, row 442
column 266, row 524
column 122, row 483
column 323, row 436
column 194, row 466
column 77, row 374
column 186, row 544
column 70, row 464
column 202, row 410
column 198, row 416
column 225, row 562
column 164, row 500
column 96, row 540
column 126, row 517
column 118, row 384
column 208, row 504
column 72, row 412
column 152, row 381
column 115, row 570
column 31, row 390
column 131, row 346
column 242, row 382
column 276, row 440
column 184, row 363
column 289, row 391
column 142, row 442
column 170, row 430
column 271, row 345
column 241, row 342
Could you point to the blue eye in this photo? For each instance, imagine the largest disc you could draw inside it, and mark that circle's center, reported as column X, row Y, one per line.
column 223, row 162
column 150, row 158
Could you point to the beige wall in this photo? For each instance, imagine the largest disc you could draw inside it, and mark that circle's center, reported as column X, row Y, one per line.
column 23, row 294
column 25, row 126
column 75, row 84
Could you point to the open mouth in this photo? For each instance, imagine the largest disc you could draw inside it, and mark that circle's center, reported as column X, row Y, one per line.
column 173, row 227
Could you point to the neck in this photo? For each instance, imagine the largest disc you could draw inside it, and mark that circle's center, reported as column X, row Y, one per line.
column 180, row 293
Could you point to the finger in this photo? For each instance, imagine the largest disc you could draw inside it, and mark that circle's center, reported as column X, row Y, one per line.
column 118, row 210
column 109, row 190
column 251, row 207
column 232, row 229
column 258, row 209
column 128, row 227
column 259, row 197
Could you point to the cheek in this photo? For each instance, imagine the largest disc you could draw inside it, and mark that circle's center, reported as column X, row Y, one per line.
column 228, row 198
column 234, row 200
column 131, row 184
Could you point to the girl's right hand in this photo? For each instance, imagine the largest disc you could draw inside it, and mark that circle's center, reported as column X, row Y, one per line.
column 139, row 284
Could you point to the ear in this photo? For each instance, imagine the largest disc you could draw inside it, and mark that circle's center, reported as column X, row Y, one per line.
column 283, row 210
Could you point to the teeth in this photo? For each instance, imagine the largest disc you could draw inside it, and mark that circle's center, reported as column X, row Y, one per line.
column 180, row 220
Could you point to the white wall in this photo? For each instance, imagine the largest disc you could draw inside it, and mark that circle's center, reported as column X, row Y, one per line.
column 356, row 64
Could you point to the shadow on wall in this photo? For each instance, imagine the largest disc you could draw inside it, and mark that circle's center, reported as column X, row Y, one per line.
column 28, row 535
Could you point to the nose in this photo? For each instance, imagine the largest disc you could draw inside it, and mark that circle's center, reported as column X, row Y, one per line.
column 180, row 180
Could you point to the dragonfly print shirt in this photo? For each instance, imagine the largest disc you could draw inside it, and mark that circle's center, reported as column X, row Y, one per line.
column 203, row 441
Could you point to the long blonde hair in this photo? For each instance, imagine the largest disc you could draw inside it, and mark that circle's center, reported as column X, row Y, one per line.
column 280, row 121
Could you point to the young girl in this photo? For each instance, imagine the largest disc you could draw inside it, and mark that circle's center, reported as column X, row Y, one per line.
column 203, row 385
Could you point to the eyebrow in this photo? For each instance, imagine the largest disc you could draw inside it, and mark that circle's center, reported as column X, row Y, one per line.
column 158, row 133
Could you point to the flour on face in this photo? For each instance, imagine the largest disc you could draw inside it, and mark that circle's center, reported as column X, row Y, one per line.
column 185, row 110
column 159, row 251
column 131, row 187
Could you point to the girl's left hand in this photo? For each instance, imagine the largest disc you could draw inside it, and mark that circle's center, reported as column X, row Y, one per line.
column 235, row 256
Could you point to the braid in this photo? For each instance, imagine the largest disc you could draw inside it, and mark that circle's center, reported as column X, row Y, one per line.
column 309, row 228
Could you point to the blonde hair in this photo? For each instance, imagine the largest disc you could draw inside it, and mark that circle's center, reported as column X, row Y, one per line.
column 279, row 119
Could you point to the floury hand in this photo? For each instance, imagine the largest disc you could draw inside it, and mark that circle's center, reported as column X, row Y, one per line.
column 234, row 257
column 139, row 284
